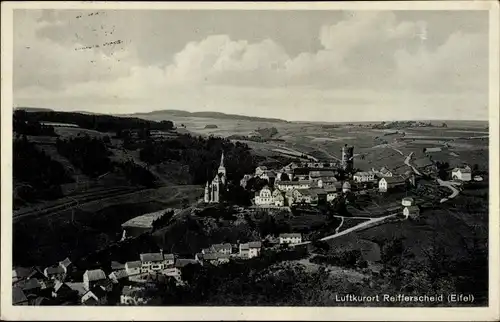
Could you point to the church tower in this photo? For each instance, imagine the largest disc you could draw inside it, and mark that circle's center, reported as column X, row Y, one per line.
column 222, row 170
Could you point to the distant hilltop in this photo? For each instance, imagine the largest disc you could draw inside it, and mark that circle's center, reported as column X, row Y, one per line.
column 215, row 115
column 33, row 109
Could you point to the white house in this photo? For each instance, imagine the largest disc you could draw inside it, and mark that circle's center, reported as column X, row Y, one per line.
column 133, row 268
column 151, row 262
column 250, row 250
column 292, row 185
column 291, row 238
column 364, row 176
column 407, row 201
column 411, row 212
column 222, row 248
column 384, row 172
column 331, row 194
column 279, row 200
column 90, row 278
column 264, row 197
column 462, row 174
column 96, row 296
column 390, row 182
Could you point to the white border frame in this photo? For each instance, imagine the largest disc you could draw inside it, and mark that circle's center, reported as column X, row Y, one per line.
column 10, row 312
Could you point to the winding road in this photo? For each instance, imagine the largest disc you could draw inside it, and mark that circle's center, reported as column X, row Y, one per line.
column 450, row 185
column 347, row 231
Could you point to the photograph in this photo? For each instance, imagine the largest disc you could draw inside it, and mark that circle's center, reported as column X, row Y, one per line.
column 250, row 158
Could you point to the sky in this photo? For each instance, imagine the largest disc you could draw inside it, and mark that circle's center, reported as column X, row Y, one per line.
column 314, row 65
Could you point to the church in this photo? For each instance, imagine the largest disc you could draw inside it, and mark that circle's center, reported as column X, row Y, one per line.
column 214, row 188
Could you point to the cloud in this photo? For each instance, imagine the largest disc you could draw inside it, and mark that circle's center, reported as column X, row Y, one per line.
column 365, row 60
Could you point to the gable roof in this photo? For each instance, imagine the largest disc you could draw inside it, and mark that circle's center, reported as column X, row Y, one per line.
column 54, row 270
column 21, row 272
column 463, row 170
column 95, row 275
column 98, row 291
column 413, row 208
column 290, row 235
column 27, row 285
column 255, row 244
column 151, row 257
column 65, row 263
column 119, row 274
column 60, row 286
column 18, row 296
column 321, row 173
column 225, row 246
column 133, row 264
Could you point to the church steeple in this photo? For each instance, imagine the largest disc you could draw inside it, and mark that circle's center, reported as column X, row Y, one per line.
column 222, row 160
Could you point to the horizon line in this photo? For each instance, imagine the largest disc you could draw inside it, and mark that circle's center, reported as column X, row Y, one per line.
column 254, row 116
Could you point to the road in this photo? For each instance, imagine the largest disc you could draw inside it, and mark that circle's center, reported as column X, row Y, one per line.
column 347, row 231
column 450, row 185
column 407, row 162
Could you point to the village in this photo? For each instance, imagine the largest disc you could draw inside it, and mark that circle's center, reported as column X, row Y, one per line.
column 307, row 184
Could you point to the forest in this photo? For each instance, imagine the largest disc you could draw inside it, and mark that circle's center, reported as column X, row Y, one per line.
column 98, row 122
column 202, row 156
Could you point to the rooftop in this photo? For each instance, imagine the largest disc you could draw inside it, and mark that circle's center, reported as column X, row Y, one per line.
column 133, row 264
column 18, row 296
column 95, row 275
column 51, row 270
column 151, row 257
column 218, row 247
column 119, row 274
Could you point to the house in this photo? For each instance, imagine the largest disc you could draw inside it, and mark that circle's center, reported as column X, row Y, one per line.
column 264, row 197
column 216, row 258
column 116, row 266
column 93, row 277
column 322, row 174
column 30, row 286
column 462, row 174
column 117, row 276
column 279, row 200
column 346, row 187
column 63, row 291
column 18, row 296
column 250, row 250
column 268, row 175
column 305, row 196
column 293, row 185
column 222, row 248
column 20, row 273
column 384, row 172
column 411, row 212
column 323, row 183
column 95, row 296
column 385, row 184
column 260, row 170
column 133, row 268
column 290, row 238
column 65, row 265
column 364, row 176
column 407, row 201
column 132, row 296
column 331, row 194
column 478, row 178
column 77, row 287
column 54, row 272
column 151, row 262
column 183, row 262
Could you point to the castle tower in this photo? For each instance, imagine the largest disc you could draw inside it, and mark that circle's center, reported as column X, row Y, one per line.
column 347, row 160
